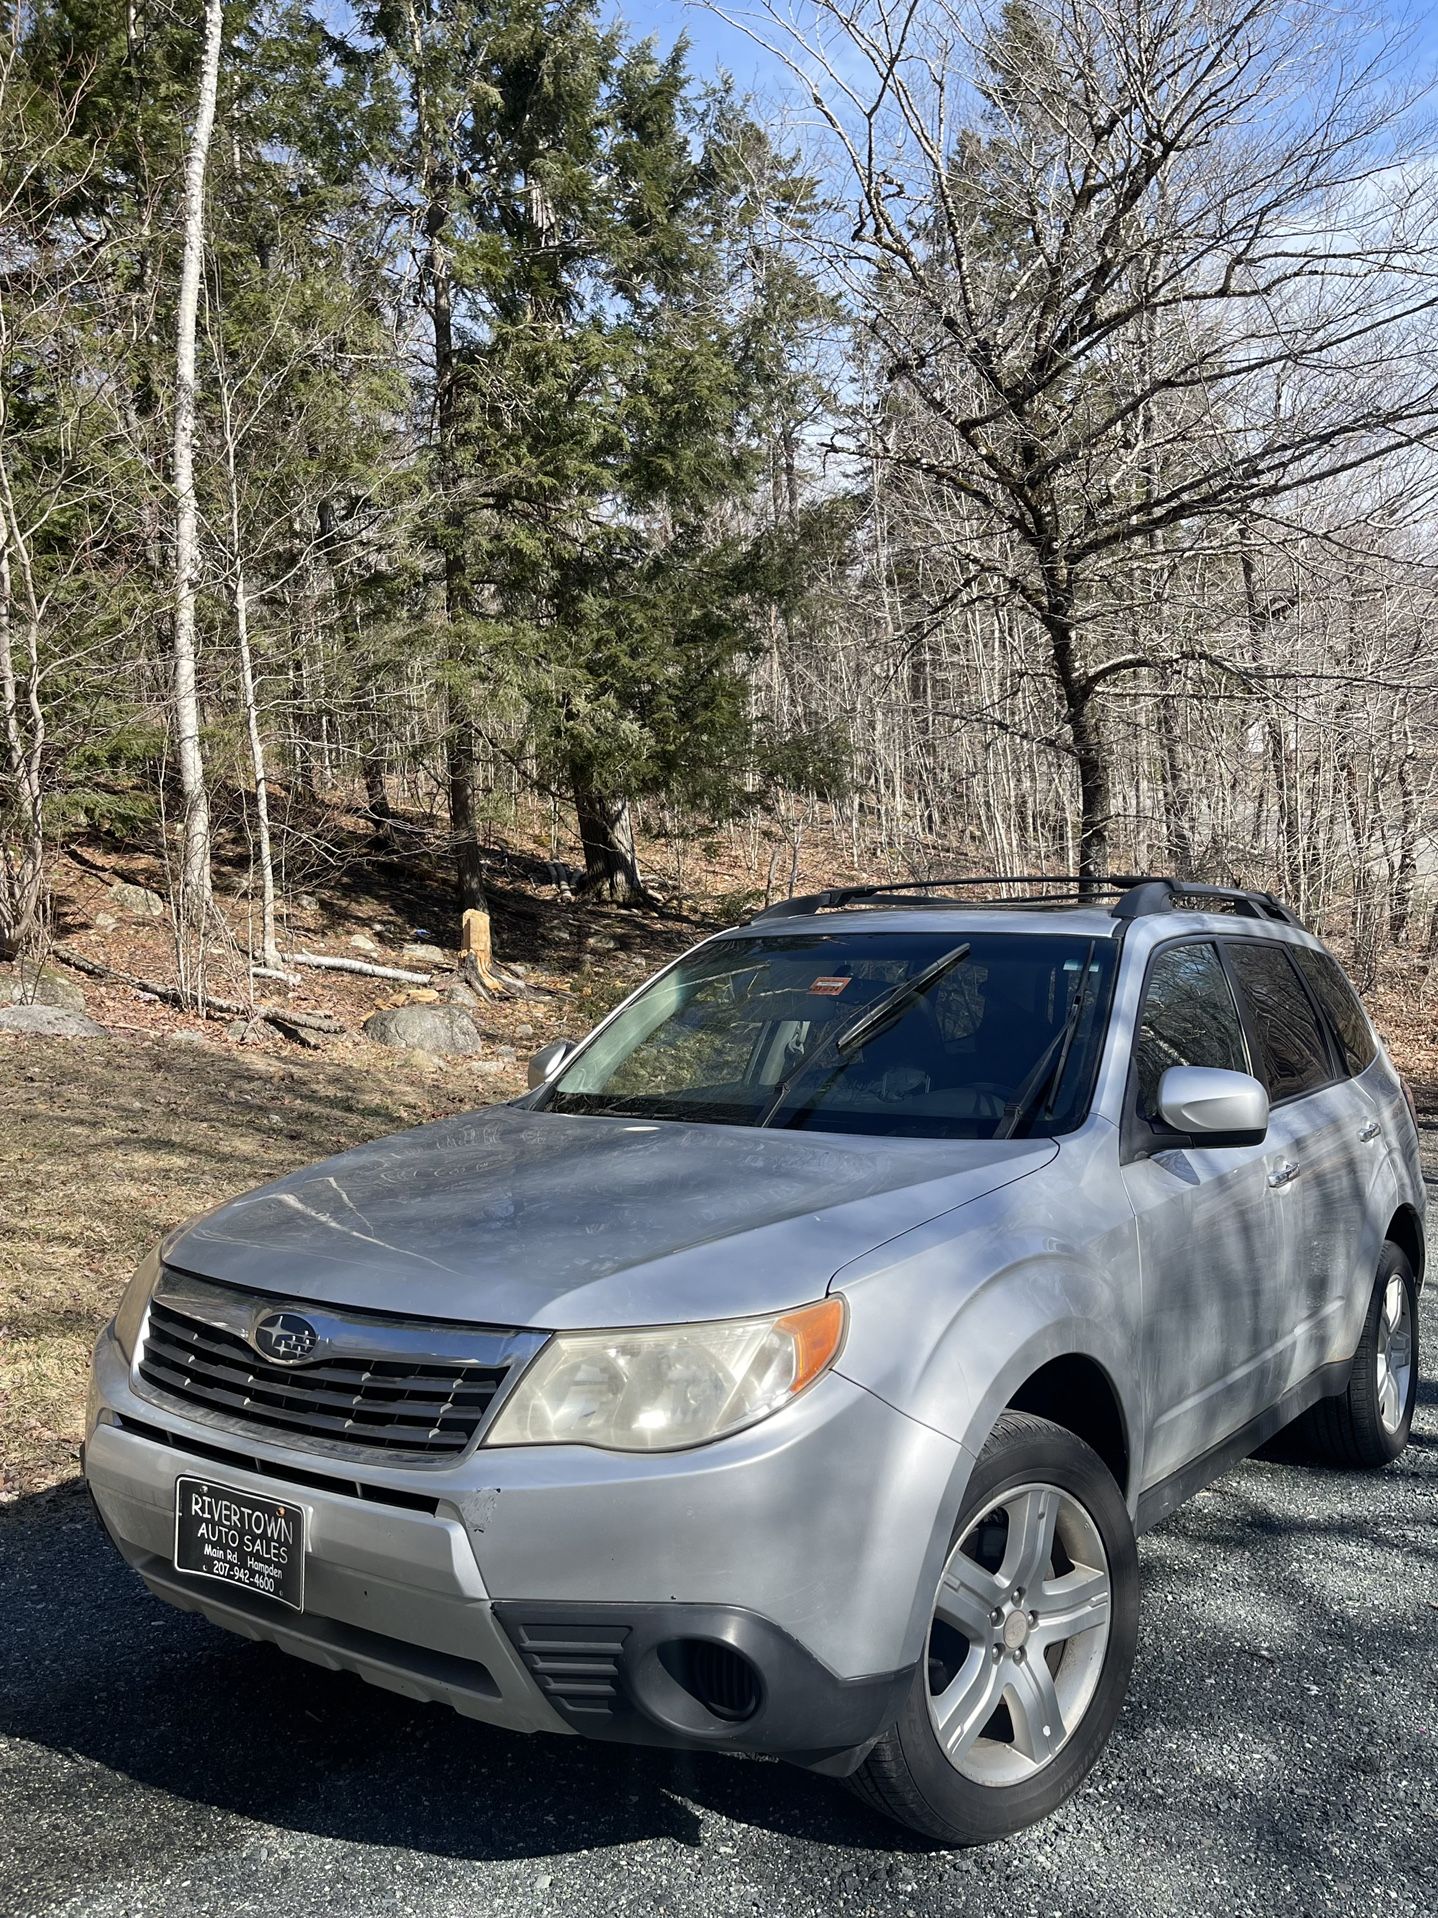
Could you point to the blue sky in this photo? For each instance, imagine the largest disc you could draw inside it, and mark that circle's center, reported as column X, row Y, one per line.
column 716, row 44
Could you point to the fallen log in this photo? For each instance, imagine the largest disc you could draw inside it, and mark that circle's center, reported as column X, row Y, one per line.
column 281, row 1017
column 330, row 963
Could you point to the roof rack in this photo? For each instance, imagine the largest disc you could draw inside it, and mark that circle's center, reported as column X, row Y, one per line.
column 1165, row 895
column 1138, row 895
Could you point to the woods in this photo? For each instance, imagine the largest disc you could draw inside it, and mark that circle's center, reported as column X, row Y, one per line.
column 1009, row 444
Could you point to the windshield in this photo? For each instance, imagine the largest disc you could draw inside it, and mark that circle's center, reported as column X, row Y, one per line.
column 1001, row 1040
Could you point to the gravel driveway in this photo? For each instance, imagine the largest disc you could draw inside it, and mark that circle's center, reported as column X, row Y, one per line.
column 1278, row 1754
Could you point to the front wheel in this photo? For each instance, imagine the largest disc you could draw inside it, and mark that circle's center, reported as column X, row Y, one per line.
column 1366, row 1426
column 1029, row 1649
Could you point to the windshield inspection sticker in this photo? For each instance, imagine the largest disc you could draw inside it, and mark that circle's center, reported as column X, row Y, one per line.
column 830, row 988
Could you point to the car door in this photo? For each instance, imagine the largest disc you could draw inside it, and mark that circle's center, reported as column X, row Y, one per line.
column 1323, row 1124
column 1208, row 1228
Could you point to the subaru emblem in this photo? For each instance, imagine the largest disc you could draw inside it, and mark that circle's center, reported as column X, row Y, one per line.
column 286, row 1337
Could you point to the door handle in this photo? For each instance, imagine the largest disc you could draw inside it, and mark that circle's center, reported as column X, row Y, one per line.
column 1370, row 1131
column 1284, row 1174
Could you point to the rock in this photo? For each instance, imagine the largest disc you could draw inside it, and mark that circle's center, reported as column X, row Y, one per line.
column 423, row 955
column 442, row 1029
column 362, row 942
column 138, row 900
column 240, row 1029
column 52, row 1022
column 105, row 922
column 524, row 1032
column 43, row 986
column 307, row 902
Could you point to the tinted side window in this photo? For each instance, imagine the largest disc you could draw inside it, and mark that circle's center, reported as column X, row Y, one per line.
column 1340, row 1002
column 1293, row 1054
column 1188, row 1019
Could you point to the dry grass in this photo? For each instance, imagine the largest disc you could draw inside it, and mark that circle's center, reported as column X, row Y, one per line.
column 105, row 1145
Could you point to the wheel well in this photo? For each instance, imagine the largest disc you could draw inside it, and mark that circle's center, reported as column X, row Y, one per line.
column 1406, row 1232
column 1075, row 1392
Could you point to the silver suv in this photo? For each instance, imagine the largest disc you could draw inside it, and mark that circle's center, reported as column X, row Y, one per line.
column 790, row 1370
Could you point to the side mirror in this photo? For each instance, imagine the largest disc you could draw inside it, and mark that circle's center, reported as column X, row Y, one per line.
column 549, row 1060
column 1213, row 1107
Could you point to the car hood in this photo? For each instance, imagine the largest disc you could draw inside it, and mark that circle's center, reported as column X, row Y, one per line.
column 520, row 1218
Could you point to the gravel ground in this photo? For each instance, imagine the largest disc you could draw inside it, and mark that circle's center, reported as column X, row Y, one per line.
column 1278, row 1754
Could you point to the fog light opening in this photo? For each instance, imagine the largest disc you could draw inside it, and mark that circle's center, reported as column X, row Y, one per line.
column 716, row 1677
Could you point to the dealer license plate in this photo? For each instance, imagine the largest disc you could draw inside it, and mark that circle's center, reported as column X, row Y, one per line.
column 237, row 1538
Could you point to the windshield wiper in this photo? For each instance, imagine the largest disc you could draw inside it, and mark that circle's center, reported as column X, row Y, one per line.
column 874, row 1019
column 1049, row 1071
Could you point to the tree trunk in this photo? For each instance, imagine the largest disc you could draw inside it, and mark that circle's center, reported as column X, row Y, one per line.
column 22, row 872
column 1080, row 710
column 269, row 941
column 468, row 868
column 438, row 279
column 1400, row 909
column 194, row 901
column 1177, row 795
column 377, row 796
column 606, row 831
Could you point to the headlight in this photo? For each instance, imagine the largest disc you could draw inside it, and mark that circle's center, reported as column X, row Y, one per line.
column 136, row 1296
column 670, row 1387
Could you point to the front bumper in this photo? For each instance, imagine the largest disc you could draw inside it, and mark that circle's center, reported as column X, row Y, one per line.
column 563, row 1589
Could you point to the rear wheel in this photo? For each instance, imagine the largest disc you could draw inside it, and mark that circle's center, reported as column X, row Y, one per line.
column 1366, row 1426
column 1029, row 1649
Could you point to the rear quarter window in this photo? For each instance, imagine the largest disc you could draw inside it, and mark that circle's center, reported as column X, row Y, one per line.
column 1341, row 1006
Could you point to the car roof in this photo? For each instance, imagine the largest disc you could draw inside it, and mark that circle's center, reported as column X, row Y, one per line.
column 1103, row 907
column 1088, row 920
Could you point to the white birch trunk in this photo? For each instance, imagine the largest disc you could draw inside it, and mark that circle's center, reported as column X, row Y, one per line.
column 22, row 871
column 194, row 898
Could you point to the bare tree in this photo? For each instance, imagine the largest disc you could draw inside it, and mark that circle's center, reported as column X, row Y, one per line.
column 1129, row 272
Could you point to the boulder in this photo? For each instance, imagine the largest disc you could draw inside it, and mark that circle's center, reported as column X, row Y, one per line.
column 439, row 1029
column 138, row 900
column 362, row 942
column 42, row 985
column 424, row 955
column 51, row 1022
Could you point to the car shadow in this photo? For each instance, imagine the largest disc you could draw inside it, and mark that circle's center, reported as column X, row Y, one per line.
column 92, row 1665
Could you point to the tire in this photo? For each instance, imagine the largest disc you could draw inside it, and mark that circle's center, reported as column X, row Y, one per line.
column 1041, row 1507
column 1366, row 1426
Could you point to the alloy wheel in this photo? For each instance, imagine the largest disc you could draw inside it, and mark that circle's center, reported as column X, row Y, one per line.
column 1021, row 1624
column 1395, row 1353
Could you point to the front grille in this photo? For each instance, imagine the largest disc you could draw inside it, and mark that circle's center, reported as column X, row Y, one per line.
column 401, row 1405
column 287, row 1474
